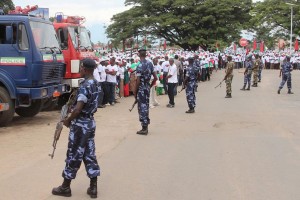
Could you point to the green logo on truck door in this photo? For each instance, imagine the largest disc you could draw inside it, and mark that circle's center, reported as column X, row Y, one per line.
column 12, row 61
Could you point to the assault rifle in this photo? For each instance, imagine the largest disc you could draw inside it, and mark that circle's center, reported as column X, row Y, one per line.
column 135, row 102
column 63, row 115
column 220, row 84
column 183, row 88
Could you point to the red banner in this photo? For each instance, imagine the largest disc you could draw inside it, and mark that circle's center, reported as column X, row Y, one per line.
column 262, row 46
column 254, row 44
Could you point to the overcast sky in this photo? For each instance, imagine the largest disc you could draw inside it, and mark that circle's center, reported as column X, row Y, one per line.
column 96, row 12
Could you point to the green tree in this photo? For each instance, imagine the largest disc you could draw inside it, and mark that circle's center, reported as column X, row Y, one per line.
column 271, row 19
column 188, row 24
column 7, row 5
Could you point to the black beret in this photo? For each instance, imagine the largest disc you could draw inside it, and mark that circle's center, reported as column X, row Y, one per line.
column 89, row 63
column 142, row 49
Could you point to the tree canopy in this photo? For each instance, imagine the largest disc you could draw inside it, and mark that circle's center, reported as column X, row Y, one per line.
column 188, row 24
column 271, row 20
column 7, row 5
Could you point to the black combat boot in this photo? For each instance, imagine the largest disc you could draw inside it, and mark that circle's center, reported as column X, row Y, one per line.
column 92, row 190
column 63, row 190
column 243, row 87
column 278, row 91
column 254, row 85
column 228, row 95
column 144, row 131
column 290, row 92
column 191, row 110
column 248, row 87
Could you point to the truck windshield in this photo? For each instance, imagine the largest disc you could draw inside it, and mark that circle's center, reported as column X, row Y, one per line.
column 82, row 34
column 44, row 35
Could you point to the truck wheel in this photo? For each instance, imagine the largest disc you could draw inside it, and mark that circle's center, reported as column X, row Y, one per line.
column 6, row 116
column 36, row 106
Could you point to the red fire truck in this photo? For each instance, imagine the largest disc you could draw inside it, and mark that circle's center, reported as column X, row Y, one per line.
column 76, row 45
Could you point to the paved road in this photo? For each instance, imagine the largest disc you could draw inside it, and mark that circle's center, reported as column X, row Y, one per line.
column 244, row 148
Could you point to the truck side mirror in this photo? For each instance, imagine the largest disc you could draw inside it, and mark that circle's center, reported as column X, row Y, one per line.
column 9, row 34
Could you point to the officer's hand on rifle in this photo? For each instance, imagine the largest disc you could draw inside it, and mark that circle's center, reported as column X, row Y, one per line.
column 67, row 122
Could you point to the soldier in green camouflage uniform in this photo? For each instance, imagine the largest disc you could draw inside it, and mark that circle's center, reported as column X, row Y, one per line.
column 229, row 76
column 256, row 66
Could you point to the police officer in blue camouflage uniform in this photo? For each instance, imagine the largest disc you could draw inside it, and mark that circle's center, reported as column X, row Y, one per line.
column 81, row 146
column 285, row 71
column 261, row 66
column 248, row 73
column 197, row 66
column 143, row 72
column 190, row 84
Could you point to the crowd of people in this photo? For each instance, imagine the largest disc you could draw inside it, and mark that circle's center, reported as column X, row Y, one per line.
column 116, row 72
column 145, row 75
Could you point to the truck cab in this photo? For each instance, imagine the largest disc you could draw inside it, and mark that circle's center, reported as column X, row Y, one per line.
column 76, row 45
column 31, row 65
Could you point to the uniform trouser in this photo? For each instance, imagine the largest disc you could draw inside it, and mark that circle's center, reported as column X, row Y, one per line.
column 287, row 77
column 259, row 74
column 247, row 79
column 203, row 74
column 105, row 93
column 165, row 74
column 81, row 147
column 255, row 76
column 101, row 95
column 143, row 106
column 228, row 82
column 111, row 92
column 190, row 94
column 207, row 74
column 121, row 87
column 171, row 87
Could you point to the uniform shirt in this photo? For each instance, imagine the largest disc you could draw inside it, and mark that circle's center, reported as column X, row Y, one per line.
column 286, row 68
column 229, row 68
column 256, row 64
column 144, row 70
column 178, row 65
column 165, row 65
column 121, row 72
column 87, row 93
column 173, row 72
column 249, row 66
column 112, row 78
column 157, row 68
column 191, row 72
column 102, row 73
column 96, row 74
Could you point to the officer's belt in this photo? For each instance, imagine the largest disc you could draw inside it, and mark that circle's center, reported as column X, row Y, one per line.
column 86, row 115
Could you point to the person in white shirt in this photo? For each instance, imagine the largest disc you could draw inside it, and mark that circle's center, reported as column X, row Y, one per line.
column 152, row 100
column 121, row 71
column 172, row 82
column 165, row 66
column 97, row 78
column 101, row 69
column 111, row 71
